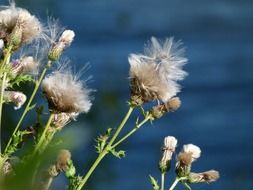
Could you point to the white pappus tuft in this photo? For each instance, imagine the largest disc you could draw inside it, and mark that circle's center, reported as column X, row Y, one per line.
column 18, row 23
column 154, row 75
column 66, row 93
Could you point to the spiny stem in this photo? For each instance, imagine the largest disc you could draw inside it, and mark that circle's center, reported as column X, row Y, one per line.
column 27, row 108
column 131, row 132
column 43, row 135
column 106, row 149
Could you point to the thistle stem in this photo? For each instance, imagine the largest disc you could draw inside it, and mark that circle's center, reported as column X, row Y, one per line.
column 106, row 149
column 131, row 132
column 176, row 182
column 43, row 135
column 5, row 62
column 27, row 108
column 162, row 180
column 1, row 108
column 186, row 186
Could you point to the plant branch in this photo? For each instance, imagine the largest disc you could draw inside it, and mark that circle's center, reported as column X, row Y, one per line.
column 28, row 105
column 106, row 149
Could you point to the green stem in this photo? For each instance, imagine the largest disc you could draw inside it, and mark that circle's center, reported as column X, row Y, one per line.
column 162, row 180
column 131, row 132
column 176, row 182
column 106, row 149
column 43, row 135
column 27, row 108
column 5, row 62
column 1, row 108
column 47, row 183
column 186, row 186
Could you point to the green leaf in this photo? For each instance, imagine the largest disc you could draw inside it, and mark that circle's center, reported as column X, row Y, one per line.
column 118, row 154
column 102, row 140
column 16, row 140
column 154, row 183
column 20, row 79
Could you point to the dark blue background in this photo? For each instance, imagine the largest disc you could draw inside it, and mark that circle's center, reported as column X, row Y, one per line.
column 216, row 113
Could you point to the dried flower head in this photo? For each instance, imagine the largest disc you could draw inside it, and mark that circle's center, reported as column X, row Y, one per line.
column 62, row 160
column 62, row 119
column 64, row 41
column 154, row 75
column 65, row 93
column 193, row 150
column 18, row 98
column 208, row 176
column 185, row 158
column 18, row 26
column 159, row 110
column 25, row 64
column 169, row 147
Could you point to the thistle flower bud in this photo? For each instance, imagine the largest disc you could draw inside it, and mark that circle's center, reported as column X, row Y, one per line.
column 62, row 119
column 172, row 105
column 52, row 171
column 169, row 147
column 18, row 98
column 64, row 41
column 26, row 64
column 185, row 158
column 207, row 177
column 154, row 75
column 62, row 160
column 65, row 93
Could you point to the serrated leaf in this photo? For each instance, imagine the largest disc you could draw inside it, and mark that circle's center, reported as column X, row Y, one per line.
column 118, row 154
column 17, row 138
column 21, row 78
column 154, row 183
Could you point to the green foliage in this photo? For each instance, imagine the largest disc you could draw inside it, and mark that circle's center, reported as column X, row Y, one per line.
column 119, row 154
column 16, row 140
column 22, row 78
column 154, row 183
column 102, row 140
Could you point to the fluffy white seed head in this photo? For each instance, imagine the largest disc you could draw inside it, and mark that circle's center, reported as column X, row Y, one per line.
column 193, row 149
column 13, row 18
column 154, row 75
column 65, row 93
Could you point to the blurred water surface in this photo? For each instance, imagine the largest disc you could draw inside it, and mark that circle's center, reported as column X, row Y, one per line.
column 216, row 113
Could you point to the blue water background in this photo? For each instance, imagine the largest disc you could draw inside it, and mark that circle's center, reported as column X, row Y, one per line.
column 217, row 96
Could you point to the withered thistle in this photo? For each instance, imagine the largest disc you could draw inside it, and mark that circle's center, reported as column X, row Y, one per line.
column 154, row 75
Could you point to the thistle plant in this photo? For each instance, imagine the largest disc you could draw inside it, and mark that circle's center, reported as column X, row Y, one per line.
column 189, row 154
column 153, row 78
